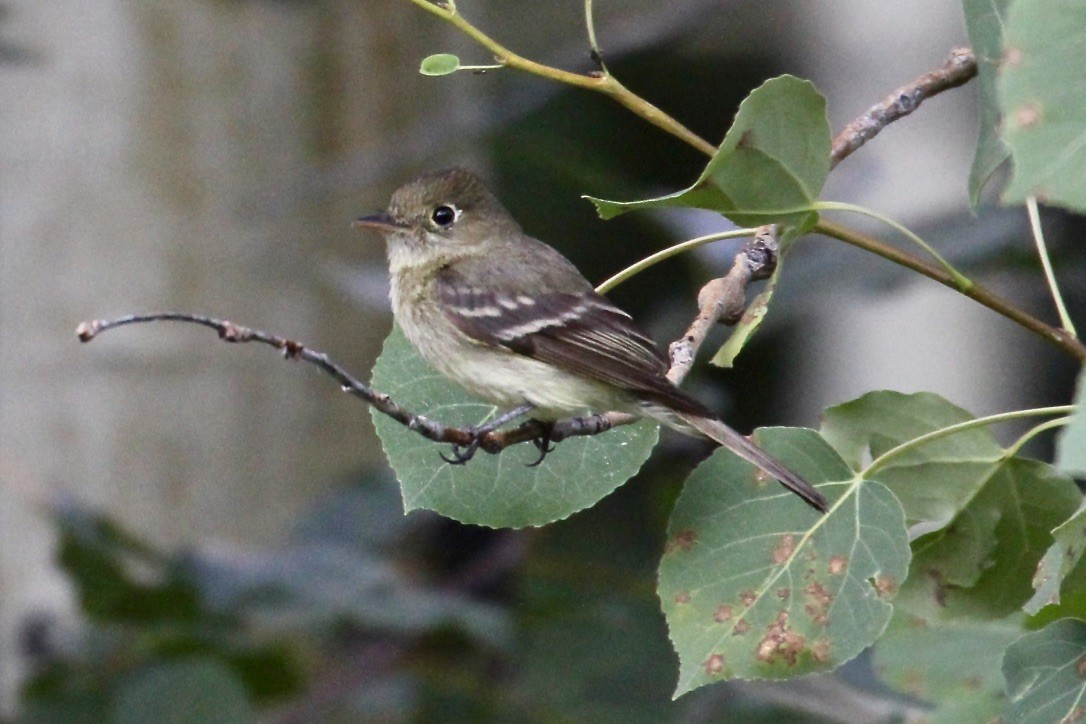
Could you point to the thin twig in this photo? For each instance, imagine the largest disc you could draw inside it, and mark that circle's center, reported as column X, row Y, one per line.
column 590, row 26
column 493, row 442
column 600, row 82
column 959, row 69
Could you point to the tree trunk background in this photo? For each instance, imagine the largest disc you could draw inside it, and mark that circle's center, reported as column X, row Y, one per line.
column 162, row 155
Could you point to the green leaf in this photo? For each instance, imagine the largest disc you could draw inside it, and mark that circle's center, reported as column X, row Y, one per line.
column 196, row 691
column 752, row 319
column 984, row 23
column 982, row 563
column 81, row 706
column 770, row 167
column 980, row 706
column 1043, row 98
column 1059, row 562
column 493, row 490
column 756, row 585
column 440, row 64
column 934, row 481
column 947, row 662
column 1071, row 444
column 1046, row 674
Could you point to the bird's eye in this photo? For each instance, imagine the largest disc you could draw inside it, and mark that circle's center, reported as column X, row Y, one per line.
column 443, row 215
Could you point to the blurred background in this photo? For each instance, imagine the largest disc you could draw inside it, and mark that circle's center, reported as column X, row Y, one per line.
column 186, row 525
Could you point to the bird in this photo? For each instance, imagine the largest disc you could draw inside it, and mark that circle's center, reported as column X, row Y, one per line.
column 512, row 321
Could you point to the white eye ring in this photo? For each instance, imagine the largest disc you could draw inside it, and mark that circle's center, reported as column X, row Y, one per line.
column 445, row 215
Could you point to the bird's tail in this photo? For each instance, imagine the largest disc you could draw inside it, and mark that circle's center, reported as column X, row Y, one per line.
column 744, row 448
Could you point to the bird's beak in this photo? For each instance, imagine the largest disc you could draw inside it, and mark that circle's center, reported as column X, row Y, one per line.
column 382, row 222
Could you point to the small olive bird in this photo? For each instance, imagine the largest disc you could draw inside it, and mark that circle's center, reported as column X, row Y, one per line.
column 513, row 322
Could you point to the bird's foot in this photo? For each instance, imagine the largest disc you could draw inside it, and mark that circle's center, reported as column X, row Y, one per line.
column 543, row 443
column 462, row 453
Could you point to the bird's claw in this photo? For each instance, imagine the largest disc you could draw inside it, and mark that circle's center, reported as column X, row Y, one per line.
column 462, row 453
column 543, row 444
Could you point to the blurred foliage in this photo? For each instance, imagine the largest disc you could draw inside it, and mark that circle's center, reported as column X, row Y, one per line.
column 364, row 614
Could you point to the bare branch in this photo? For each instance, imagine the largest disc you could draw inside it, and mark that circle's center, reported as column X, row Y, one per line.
column 958, row 69
column 723, row 300
column 493, row 442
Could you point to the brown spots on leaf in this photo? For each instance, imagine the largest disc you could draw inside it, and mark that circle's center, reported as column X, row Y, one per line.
column 684, row 540
column 781, row 642
column 682, row 597
column 885, row 586
column 722, row 614
column 1012, row 57
column 784, row 593
column 747, row 598
column 784, row 550
column 1081, row 666
column 741, row 627
column 837, row 564
column 714, row 665
column 746, row 140
column 1076, row 715
column 1027, row 116
column 821, row 651
column 818, row 603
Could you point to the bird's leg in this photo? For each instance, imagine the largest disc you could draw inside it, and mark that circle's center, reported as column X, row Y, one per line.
column 543, row 442
column 462, row 453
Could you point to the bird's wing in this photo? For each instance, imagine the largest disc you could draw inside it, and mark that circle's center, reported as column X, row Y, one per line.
column 564, row 323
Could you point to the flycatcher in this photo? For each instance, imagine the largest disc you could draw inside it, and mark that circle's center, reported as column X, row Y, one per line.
column 513, row 322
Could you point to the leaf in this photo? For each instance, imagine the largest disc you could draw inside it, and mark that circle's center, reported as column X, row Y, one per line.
column 1071, row 443
column 1059, row 562
column 117, row 576
column 934, row 481
column 1046, row 674
column 1043, row 98
column 984, row 22
column 493, row 490
column 947, row 662
column 756, row 585
column 770, row 167
column 440, row 64
column 973, row 707
column 325, row 584
column 196, row 690
column 982, row 563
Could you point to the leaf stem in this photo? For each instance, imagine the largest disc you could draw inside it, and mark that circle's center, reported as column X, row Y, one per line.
column 1033, row 432
column 1046, row 264
column 960, row 280
column 1062, row 339
column 600, row 82
column 667, row 253
column 916, row 442
column 597, row 56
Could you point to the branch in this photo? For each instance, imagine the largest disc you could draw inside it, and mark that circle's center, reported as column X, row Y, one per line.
column 493, row 442
column 958, row 69
column 601, row 82
column 724, row 300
